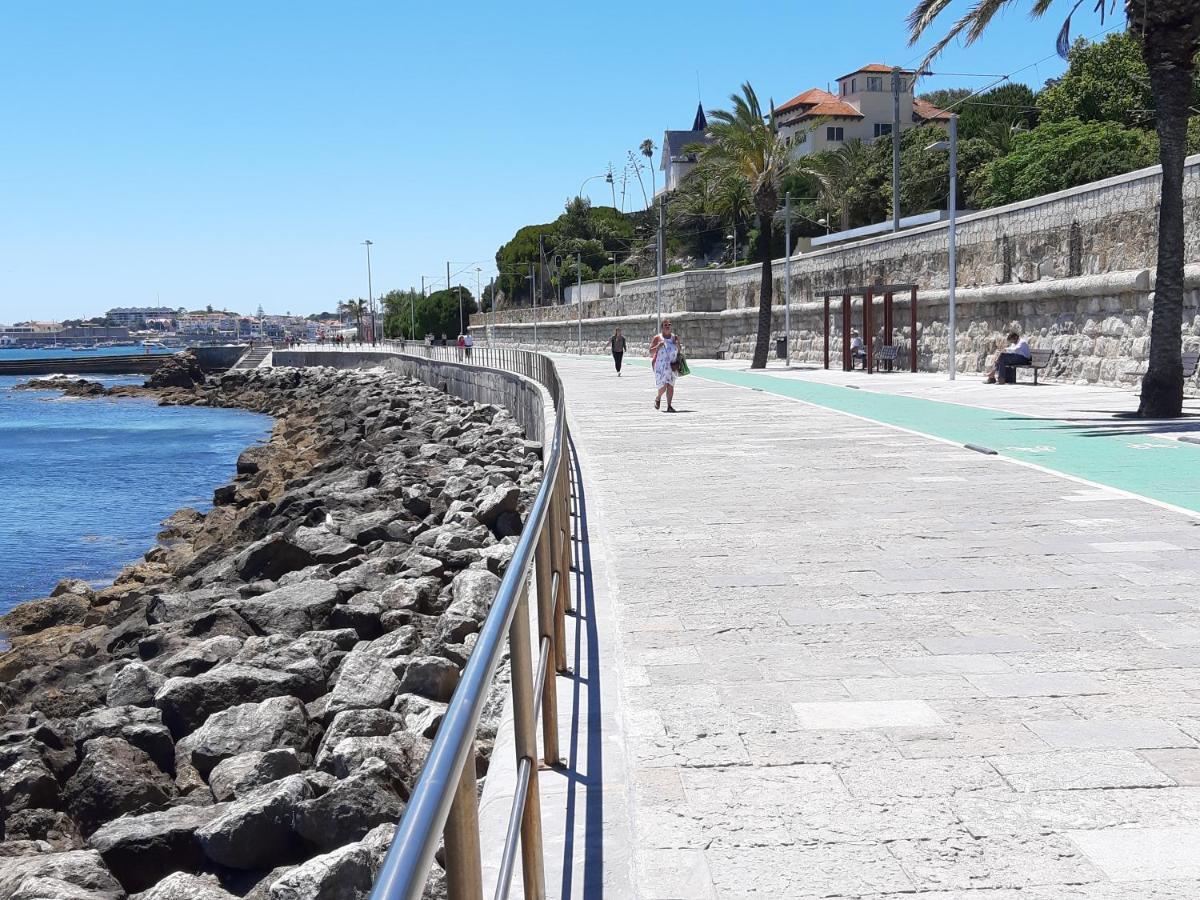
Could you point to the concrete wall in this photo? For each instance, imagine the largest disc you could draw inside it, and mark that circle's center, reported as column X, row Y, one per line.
column 521, row 397
column 590, row 291
column 218, row 359
column 1073, row 271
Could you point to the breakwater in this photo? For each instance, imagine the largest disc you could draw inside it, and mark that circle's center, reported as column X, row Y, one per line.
column 243, row 712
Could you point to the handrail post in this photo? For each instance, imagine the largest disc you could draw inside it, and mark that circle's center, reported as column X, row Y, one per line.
column 545, row 602
column 561, row 564
column 464, row 871
column 525, row 734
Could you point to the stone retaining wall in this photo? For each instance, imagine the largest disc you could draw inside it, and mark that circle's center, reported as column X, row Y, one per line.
column 1072, row 271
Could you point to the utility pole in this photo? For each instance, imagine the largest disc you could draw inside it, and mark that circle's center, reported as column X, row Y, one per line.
column 579, row 296
column 412, row 313
column 787, row 279
column 895, row 149
column 461, row 329
column 478, row 293
column 662, row 224
column 533, row 297
column 953, row 233
column 492, row 291
column 370, row 291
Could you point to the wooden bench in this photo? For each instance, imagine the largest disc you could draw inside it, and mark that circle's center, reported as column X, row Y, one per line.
column 1039, row 360
column 723, row 350
column 888, row 353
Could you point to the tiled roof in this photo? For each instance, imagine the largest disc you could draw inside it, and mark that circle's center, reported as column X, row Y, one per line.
column 808, row 98
column 876, row 68
column 816, row 102
column 925, row 111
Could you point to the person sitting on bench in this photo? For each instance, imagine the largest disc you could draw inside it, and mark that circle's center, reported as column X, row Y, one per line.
column 1017, row 353
column 857, row 351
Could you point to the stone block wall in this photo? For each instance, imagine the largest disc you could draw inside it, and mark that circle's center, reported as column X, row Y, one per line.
column 1073, row 271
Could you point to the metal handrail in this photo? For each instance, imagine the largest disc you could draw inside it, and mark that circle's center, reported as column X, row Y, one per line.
column 444, row 800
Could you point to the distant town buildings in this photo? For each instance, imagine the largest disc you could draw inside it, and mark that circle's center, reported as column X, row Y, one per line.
column 161, row 318
column 863, row 109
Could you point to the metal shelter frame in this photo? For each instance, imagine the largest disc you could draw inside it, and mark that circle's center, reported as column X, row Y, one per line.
column 869, row 293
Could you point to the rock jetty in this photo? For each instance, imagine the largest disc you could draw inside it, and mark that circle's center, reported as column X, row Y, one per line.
column 244, row 711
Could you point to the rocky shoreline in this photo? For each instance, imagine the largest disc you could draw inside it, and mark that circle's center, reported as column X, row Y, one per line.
column 244, row 711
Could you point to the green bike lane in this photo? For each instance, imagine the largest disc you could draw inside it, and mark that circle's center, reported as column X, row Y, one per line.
column 1120, row 455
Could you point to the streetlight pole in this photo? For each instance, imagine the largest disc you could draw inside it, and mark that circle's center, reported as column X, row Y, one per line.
column 662, row 224
column 533, row 296
column 492, row 291
column 952, row 237
column 895, row 149
column 787, row 279
column 579, row 296
column 370, row 291
column 461, row 329
column 478, row 294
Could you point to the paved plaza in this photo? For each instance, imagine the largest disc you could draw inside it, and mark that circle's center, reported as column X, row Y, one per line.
column 849, row 660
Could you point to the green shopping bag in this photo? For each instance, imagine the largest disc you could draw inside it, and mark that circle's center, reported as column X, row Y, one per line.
column 683, row 366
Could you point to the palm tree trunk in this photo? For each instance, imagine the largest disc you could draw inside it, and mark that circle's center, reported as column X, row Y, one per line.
column 1169, row 55
column 762, row 340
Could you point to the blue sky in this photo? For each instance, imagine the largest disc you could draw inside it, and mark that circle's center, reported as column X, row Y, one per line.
column 239, row 153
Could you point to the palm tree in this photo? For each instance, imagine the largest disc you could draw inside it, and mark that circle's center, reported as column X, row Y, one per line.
column 1170, row 32
column 746, row 144
column 839, row 172
column 647, row 148
column 356, row 308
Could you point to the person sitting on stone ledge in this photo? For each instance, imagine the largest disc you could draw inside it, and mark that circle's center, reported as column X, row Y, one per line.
column 1017, row 353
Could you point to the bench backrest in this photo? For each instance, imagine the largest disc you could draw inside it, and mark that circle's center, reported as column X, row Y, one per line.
column 887, row 352
column 724, row 347
column 1189, row 363
column 1040, row 357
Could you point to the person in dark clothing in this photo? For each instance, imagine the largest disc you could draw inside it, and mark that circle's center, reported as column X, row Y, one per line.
column 617, row 342
column 1017, row 353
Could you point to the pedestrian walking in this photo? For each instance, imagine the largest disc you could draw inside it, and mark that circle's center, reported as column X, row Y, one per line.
column 461, row 345
column 664, row 358
column 468, row 343
column 617, row 342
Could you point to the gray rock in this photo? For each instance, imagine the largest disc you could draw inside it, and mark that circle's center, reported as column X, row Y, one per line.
column 184, row 886
column 403, row 753
column 411, row 593
column 27, row 784
column 111, row 721
column 271, row 558
column 186, row 703
column 114, row 778
column 472, row 591
column 355, row 723
column 141, row 850
column 239, row 775
column 323, row 546
column 256, row 832
column 291, row 610
column 421, row 715
column 504, row 498
column 83, row 870
column 346, row 873
column 53, row 827
column 278, row 722
column 365, row 681
column 134, row 685
column 430, row 676
column 197, row 658
column 370, row 796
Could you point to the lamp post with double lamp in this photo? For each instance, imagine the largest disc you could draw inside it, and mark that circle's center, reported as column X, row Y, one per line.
column 951, row 232
column 370, row 291
column 605, row 175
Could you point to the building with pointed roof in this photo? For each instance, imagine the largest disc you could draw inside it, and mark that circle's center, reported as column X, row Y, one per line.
column 677, row 160
column 818, row 120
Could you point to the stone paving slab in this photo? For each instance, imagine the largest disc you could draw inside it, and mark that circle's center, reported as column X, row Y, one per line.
column 840, row 678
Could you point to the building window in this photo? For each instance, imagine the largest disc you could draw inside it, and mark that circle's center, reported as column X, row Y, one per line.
column 882, row 129
column 874, row 84
column 854, row 85
column 833, row 133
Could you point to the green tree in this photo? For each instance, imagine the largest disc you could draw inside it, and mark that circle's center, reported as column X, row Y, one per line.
column 849, row 183
column 1060, row 155
column 746, row 144
column 1104, row 82
column 438, row 314
column 1170, row 38
column 356, row 309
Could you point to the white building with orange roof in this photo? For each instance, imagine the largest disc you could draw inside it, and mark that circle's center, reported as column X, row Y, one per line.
column 818, row 120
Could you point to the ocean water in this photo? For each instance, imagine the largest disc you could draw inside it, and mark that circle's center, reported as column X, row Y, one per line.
column 85, row 483
column 8, row 353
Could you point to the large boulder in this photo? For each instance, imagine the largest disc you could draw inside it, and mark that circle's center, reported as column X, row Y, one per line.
column 180, row 370
column 356, row 723
column 278, row 722
column 114, row 778
column 503, row 498
column 346, row 873
column 256, row 832
column 141, row 850
column 239, row 775
column 323, row 545
column 72, row 874
column 432, row 677
column 53, row 827
column 27, row 784
column 403, row 752
column 134, row 685
column 290, row 610
column 366, row 680
column 271, row 558
column 472, row 592
column 352, row 807
column 184, row 886
column 186, row 703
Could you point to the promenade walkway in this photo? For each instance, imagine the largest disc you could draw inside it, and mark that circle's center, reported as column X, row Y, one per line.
column 853, row 661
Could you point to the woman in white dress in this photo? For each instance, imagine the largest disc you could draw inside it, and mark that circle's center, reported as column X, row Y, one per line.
column 664, row 351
